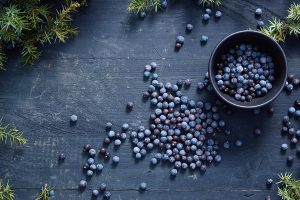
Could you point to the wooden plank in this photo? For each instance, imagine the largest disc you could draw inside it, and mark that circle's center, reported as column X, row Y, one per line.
column 94, row 76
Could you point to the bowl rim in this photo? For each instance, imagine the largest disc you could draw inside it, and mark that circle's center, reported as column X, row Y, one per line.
column 220, row 94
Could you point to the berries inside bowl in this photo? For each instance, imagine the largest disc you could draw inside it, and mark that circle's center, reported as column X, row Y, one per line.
column 248, row 69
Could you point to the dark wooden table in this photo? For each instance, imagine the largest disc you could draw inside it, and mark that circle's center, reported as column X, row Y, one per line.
column 94, row 75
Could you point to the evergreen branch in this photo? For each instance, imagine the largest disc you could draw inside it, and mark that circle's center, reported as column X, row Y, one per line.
column 289, row 188
column 13, row 135
column 2, row 57
column 6, row 192
column 210, row 2
column 279, row 29
column 44, row 193
column 30, row 53
column 294, row 12
column 143, row 5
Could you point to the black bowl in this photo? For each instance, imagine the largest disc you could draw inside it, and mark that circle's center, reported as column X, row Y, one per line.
column 264, row 44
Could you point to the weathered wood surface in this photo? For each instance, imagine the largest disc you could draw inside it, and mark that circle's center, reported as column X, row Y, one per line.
column 94, row 75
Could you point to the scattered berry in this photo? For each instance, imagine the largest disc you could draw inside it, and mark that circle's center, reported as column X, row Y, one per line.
column 95, row 193
column 218, row 14
column 61, row 157
column 143, row 186
column 189, row 27
column 258, row 12
column 73, row 118
column 205, row 17
column 115, row 159
column 82, row 184
column 180, row 39
column 204, row 39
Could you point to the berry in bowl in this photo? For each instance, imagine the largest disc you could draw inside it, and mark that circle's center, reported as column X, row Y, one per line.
column 248, row 69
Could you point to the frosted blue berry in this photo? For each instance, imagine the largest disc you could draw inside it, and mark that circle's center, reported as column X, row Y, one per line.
column 164, row 4
column 238, row 143
column 260, row 24
column 91, row 161
column 82, row 184
column 125, row 127
column 218, row 14
column 143, row 14
column 89, row 173
column 153, row 161
column 93, row 167
column 292, row 110
column 208, row 11
column 204, row 39
column 117, row 143
column 107, row 194
column 180, row 39
column 99, row 167
column 108, row 125
column 95, row 193
column 173, row 172
column 258, row 12
column 92, row 152
column 153, row 66
column 206, row 17
column 143, row 186
column 284, row 147
column 73, row 118
column 147, row 74
column 189, row 27
column 116, row 159
column 290, row 87
column 297, row 113
column 218, row 158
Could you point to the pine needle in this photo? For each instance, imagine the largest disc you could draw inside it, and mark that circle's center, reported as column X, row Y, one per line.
column 45, row 193
column 138, row 6
column 210, row 2
column 6, row 192
column 279, row 29
column 11, row 135
column 289, row 188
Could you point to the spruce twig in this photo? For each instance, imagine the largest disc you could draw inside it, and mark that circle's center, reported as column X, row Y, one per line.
column 11, row 135
column 44, row 193
column 279, row 29
column 6, row 192
column 138, row 6
column 289, row 188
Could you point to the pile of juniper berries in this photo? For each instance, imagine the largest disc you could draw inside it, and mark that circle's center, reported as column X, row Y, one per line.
column 245, row 73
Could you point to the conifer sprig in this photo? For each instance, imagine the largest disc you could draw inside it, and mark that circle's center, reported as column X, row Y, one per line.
column 6, row 192
column 44, row 193
column 289, row 188
column 31, row 23
column 11, row 135
column 279, row 29
column 138, row 6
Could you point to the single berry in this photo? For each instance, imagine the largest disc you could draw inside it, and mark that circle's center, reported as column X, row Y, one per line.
column 91, row 161
column 86, row 147
column 269, row 182
column 95, row 193
column 164, row 4
column 205, row 17
column 129, row 105
column 73, row 118
column 92, row 152
column 260, row 24
column 89, row 173
column 290, row 159
column 218, row 14
column 99, row 167
column 258, row 12
column 142, row 15
column 180, row 39
column 61, row 157
column 208, row 11
column 125, row 127
column 284, row 147
column 238, row 143
column 82, row 184
column 189, row 27
column 173, row 172
column 115, row 159
column 204, row 39
column 102, row 187
column 107, row 194
column 143, row 186
column 257, row 131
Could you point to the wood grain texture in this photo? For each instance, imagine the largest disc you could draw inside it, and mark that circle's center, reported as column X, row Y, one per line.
column 95, row 74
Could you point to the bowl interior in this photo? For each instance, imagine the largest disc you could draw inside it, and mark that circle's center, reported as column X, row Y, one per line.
column 264, row 44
